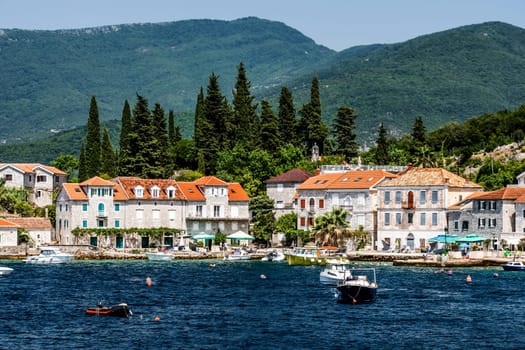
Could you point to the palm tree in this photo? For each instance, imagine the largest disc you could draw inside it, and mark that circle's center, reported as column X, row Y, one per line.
column 331, row 228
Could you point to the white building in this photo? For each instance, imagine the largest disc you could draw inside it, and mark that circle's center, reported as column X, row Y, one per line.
column 8, row 233
column 39, row 180
column 205, row 205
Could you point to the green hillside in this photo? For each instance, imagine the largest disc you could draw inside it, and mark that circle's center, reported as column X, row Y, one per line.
column 48, row 77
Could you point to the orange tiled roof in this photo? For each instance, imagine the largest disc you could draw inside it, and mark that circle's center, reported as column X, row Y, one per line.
column 354, row 179
column 30, row 167
column 210, row 180
column 429, row 177
column 5, row 223
column 128, row 185
column 191, row 191
column 96, row 181
column 74, row 192
column 32, row 223
column 236, row 192
column 509, row 193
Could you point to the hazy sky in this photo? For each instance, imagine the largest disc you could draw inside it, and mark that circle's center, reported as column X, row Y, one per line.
column 337, row 24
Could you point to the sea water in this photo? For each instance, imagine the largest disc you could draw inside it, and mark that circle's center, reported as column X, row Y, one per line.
column 193, row 305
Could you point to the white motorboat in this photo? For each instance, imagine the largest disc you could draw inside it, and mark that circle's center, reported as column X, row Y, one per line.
column 49, row 255
column 276, row 255
column 361, row 287
column 335, row 271
column 160, row 256
column 4, row 271
column 238, row 254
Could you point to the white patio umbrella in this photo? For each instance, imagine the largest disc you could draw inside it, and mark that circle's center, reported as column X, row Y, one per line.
column 240, row 235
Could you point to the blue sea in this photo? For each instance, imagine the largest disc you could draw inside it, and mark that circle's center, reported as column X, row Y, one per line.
column 194, row 306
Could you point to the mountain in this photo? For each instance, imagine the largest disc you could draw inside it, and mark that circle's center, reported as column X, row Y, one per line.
column 48, row 77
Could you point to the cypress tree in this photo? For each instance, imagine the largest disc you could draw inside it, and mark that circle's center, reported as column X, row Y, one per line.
column 108, row 166
column 92, row 151
column 171, row 128
column 269, row 128
column 199, row 118
column 159, row 157
column 381, row 156
column 82, row 174
column 142, row 139
column 343, row 130
column 125, row 154
column 312, row 128
column 417, row 148
column 245, row 117
column 286, row 119
column 213, row 139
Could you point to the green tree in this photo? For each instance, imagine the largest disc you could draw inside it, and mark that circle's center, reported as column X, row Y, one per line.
column 381, row 154
column 125, row 161
column 343, row 130
column 142, row 139
column 244, row 113
column 109, row 159
column 67, row 163
column 287, row 224
column 263, row 219
column 159, row 149
column 417, row 149
column 269, row 128
column 286, row 118
column 331, row 228
column 82, row 172
column 312, row 128
column 93, row 141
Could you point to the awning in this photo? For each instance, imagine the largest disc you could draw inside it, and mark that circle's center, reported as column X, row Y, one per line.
column 470, row 238
column 240, row 235
column 443, row 239
column 202, row 235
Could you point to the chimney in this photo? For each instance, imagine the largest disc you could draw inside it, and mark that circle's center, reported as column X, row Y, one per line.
column 317, row 171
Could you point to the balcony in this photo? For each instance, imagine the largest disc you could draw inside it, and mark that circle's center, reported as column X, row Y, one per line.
column 102, row 214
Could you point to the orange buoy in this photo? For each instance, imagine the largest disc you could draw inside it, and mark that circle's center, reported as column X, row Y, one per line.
column 157, row 318
column 149, row 283
column 469, row 279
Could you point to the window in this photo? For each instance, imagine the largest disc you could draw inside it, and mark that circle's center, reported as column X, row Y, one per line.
column 434, row 219
column 311, row 204
column 482, row 205
column 481, row 222
column 171, row 215
column 321, row 203
column 410, row 218
column 492, row 222
column 101, row 209
column 139, row 191
column 492, row 205
column 84, row 207
column 302, row 221
column 422, row 197
column 398, row 197
column 398, row 218
column 155, row 191
column 216, row 211
column 303, row 203
column 422, row 219
column 155, row 214
column 117, row 223
column 456, row 225
column 434, row 197
column 117, row 206
column 195, row 226
column 101, row 223
column 360, row 199
column 9, row 177
column 41, row 178
column 387, row 197
column 198, row 211
column 279, row 204
column 38, row 194
column 170, row 192
column 84, row 223
column 387, row 219
column 280, row 187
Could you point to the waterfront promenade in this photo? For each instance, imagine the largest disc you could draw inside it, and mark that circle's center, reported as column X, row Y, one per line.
column 396, row 259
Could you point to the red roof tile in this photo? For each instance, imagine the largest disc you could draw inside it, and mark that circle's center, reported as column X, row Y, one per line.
column 32, row 223
column 5, row 223
column 210, row 180
column 237, row 193
column 354, row 179
column 291, row 176
column 429, row 177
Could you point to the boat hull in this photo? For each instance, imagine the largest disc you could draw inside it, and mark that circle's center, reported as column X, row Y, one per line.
column 160, row 256
column 354, row 294
column 120, row 310
column 513, row 268
column 4, row 271
column 65, row 259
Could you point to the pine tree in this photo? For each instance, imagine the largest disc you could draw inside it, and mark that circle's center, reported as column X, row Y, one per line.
column 418, row 146
column 269, row 128
column 82, row 174
column 125, row 154
column 312, row 129
column 159, row 159
column 343, row 130
column 142, row 139
column 381, row 156
column 244, row 113
column 212, row 138
column 92, row 151
column 108, row 166
column 286, row 120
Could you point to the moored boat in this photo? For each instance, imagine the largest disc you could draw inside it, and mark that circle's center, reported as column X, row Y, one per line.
column 120, row 310
column 335, row 271
column 238, row 254
column 160, row 256
column 4, row 271
column 514, row 266
column 310, row 255
column 360, row 287
column 50, row 255
column 276, row 255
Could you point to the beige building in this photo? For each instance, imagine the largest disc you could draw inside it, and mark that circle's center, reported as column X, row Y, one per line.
column 205, row 205
column 39, row 229
column 8, row 233
column 39, row 180
column 354, row 191
column 282, row 189
column 413, row 207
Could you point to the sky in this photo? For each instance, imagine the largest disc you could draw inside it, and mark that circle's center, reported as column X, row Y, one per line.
column 336, row 24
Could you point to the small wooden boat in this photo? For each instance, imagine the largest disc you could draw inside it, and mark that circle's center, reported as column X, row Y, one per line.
column 120, row 310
